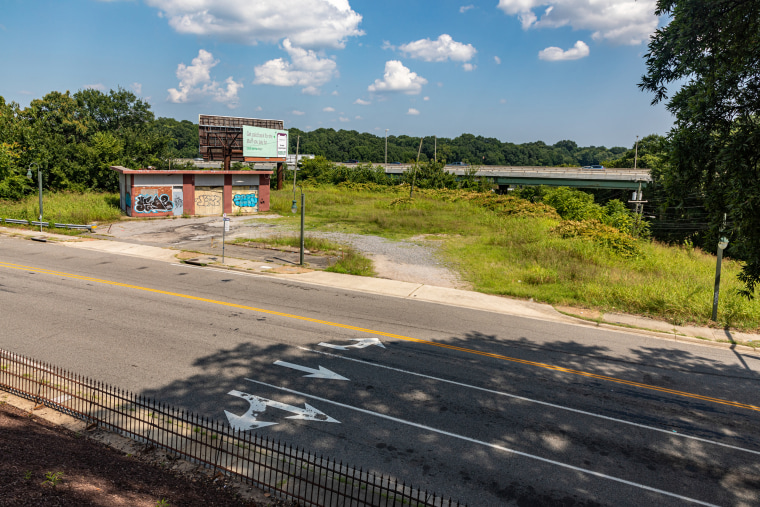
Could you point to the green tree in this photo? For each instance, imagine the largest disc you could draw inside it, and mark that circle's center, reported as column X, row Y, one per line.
column 712, row 49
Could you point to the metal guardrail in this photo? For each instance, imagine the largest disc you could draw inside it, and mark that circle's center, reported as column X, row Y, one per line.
column 274, row 466
column 47, row 224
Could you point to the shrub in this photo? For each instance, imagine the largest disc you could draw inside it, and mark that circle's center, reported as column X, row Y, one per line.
column 593, row 230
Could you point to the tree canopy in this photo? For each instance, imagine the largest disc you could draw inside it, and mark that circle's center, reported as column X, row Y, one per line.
column 342, row 145
column 712, row 49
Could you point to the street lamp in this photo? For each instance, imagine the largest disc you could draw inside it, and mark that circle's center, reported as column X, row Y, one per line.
column 386, row 146
column 722, row 244
column 294, row 210
column 39, row 180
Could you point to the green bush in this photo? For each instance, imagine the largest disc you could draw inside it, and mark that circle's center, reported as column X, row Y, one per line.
column 593, row 230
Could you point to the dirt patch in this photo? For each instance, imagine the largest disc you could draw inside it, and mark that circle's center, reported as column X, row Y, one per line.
column 583, row 313
column 44, row 464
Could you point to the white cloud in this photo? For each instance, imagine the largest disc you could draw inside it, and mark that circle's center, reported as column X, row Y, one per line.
column 195, row 82
column 439, row 50
column 554, row 54
column 343, row 119
column 329, row 109
column 97, row 86
column 305, row 69
column 297, row 112
column 362, row 102
column 412, row 112
column 426, row 99
column 357, row 117
column 502, row 101
column 497, row 60
column 468, row 67
column 618, row 21
column 137, row 88
column 335, row 93
column 465, row 8
column 259, row 108
column 307, row 23
column 398, row 78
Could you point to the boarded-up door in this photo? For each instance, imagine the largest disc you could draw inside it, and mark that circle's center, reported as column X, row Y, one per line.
column 177, row 200
column 208, row 200
column 245, row 199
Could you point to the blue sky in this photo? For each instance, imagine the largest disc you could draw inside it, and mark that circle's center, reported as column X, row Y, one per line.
column 516, row 70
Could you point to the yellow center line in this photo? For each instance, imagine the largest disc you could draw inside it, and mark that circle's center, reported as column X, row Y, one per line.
column 390, row 335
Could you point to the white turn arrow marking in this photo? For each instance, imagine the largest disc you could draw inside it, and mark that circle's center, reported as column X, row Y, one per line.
column 320, row 373
column 361, row 344
column 258, row 405
column 248, row 420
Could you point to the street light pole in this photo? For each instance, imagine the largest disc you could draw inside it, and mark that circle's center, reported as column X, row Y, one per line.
column 722, row 244
column 39, row 181
column 295, row 169
column 294, row 210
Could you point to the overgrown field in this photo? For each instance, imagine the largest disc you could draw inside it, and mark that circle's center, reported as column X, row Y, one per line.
column 65, row 208
column 508, row 246
column 500, row 244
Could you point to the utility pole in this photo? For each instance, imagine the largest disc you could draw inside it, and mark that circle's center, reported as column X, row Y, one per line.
column 414, row 174
column 638, row 199
column 386, row 146
column 435, row 149
column 636, row 153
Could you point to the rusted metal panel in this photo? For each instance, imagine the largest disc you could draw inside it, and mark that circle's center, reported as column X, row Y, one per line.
column 221, row 137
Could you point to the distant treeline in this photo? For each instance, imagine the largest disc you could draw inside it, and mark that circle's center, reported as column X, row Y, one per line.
column 76, row 137
column 343, row 145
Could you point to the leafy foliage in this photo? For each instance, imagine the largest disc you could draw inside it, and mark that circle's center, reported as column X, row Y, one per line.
column 607, row 236
column 344, row 145
column 713, row 48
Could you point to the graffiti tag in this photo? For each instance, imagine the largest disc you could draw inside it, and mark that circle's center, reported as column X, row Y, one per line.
column 153, row 203
column 245, row 200
column 178, row 202
column 208, row 200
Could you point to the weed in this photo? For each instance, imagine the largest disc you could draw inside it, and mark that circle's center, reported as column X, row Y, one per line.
column 53, row 478
column 493, row 241
column 162, row 503
column 27, row 475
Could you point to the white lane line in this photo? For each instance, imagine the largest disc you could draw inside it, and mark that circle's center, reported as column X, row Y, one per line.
column 545, row 403
column 486, row 444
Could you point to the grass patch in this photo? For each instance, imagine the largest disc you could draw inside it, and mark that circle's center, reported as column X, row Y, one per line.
column 505, row 247
column 349, row 260
column 65, row 208
column 310, row 243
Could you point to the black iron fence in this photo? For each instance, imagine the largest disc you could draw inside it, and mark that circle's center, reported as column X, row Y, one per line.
column 274, row 466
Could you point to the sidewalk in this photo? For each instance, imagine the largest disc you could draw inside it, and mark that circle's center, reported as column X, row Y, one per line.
column 283, row 264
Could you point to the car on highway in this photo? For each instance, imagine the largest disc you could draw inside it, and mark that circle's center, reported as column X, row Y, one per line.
column 596, row 166
column 458, row 163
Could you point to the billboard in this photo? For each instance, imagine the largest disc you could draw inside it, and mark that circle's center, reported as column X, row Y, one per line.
column 264, row 143
column 221, row 138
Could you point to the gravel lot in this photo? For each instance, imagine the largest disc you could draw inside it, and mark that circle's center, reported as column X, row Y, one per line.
column 413, row 260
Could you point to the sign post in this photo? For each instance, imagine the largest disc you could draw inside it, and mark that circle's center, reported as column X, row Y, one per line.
column 224, row 230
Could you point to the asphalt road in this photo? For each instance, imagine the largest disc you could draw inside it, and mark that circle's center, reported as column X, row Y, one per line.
column 487, row 408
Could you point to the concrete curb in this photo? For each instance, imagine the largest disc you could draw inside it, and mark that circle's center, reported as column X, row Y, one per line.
column 408, row 290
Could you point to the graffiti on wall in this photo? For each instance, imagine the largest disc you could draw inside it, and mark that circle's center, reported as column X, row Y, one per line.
column 207, row 200
column 151, row 203
column 245, row 200
column 178, row 202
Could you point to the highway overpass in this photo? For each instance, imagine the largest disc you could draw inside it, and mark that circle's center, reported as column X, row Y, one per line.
column 506, row 176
